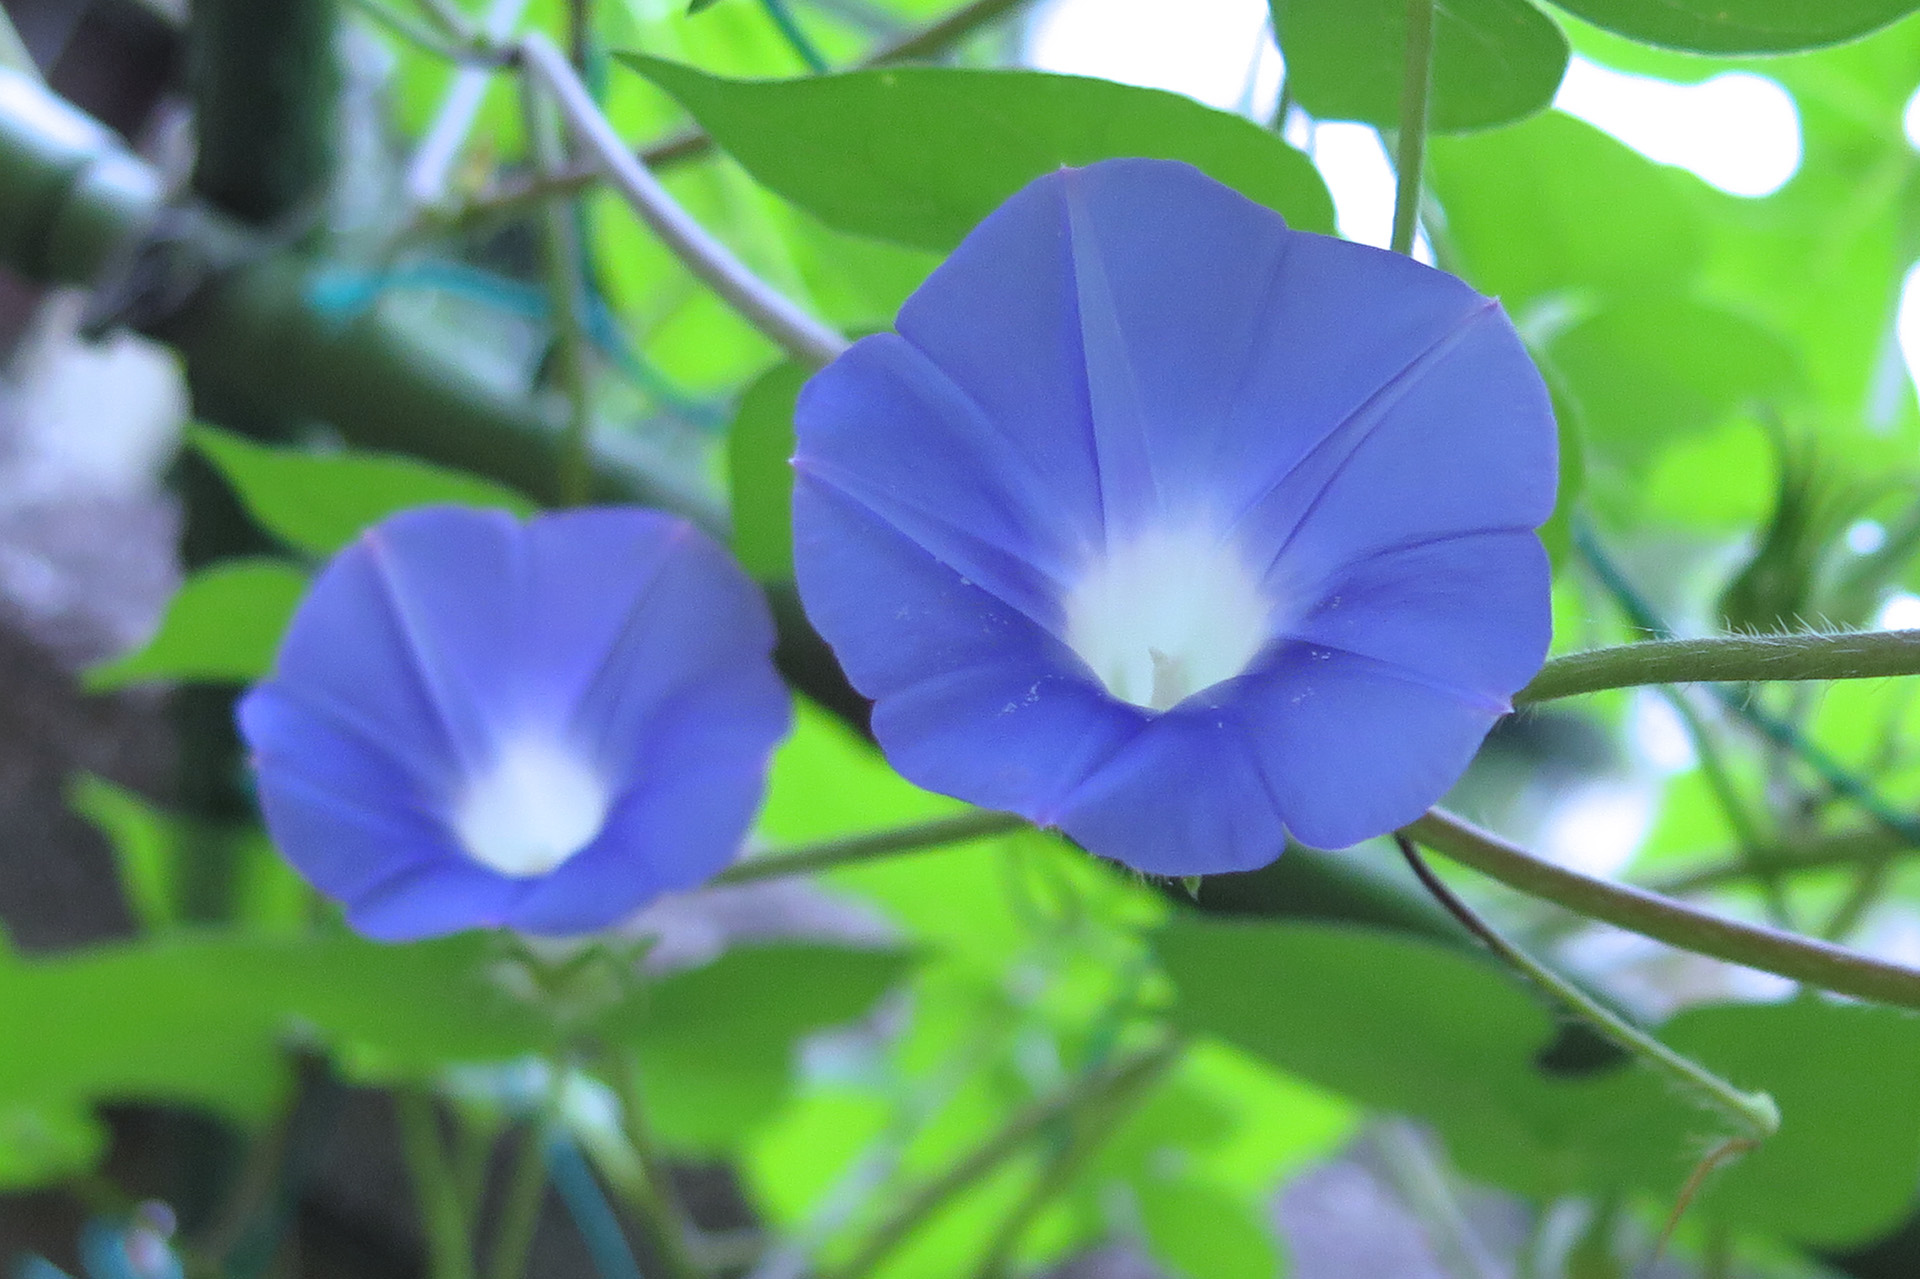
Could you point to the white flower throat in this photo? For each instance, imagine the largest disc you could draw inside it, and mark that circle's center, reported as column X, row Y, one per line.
column 1167, row 613
column 535, row 805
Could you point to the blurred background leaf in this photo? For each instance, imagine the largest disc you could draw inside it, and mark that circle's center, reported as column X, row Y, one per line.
column 1494, row 61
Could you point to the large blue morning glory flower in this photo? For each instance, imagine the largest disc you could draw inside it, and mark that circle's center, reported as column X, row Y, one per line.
column 543, row 725
column 1176, row 529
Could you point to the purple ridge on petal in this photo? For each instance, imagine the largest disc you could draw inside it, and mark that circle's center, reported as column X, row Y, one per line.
column 972, row 698
column 347, row 845
column 694, row 628
column 999, row 320
column 450, row 655
column 1122, row 435
column 1185, row 797
column 1352, row 750
column 432, row 899
column 1318, row 459
column 996, row 526
column 1420, row 608
column 1452, row 444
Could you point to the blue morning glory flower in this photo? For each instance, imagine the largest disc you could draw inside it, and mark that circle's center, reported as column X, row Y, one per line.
column 1167, row 526
column 543, row 725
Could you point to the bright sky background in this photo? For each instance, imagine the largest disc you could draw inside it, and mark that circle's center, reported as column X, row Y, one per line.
column 1738, row 131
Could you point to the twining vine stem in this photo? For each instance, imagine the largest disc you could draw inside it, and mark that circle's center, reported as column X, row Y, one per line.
column 1754, row 1116
column 875, row 846
column 926, row 44
column 1788, row 955
column 766, row 308
column 1739, row 659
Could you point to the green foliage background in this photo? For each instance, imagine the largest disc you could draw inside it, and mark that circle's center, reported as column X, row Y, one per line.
column 1732, row 402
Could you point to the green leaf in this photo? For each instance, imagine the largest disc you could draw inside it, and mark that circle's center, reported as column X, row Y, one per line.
column 203, row 1019
column 1557, row 533
column 144, row 848
column 1406, row 1027
column 1493, row 60
column 46, row 1144
column 223, row 626
column 150, row 845
column 318, row 502
column 1750, row 26
column 920, row 155
column 1847, row 1079
column 716, row 1043
column 1521, row 212
column 1199, row 1232
column 758, row 475
column 1648, row 370
column 1396, row 1024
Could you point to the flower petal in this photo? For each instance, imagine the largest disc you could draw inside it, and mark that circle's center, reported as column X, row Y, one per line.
column 432, row 899
column 696, row 628
column 974, row 700
column 1184, row 797
column 1225, row 346
column 944, row 476
column 347, row 845
column 679, row 827
column 622, row 644
column 1346, row 452
column 1458, row 441
column 1422, row 609
column 1351, row 748
column 998, row 319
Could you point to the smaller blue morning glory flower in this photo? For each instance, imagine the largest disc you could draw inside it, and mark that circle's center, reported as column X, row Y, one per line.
column 476, row 721
column 1176, row 529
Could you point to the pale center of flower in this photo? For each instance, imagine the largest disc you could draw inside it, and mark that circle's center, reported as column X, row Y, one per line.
column 537, row 804
column 1167, row 614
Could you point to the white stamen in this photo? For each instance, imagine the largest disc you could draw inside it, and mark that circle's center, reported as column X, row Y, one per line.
column 1171, row 612
column 538, row 804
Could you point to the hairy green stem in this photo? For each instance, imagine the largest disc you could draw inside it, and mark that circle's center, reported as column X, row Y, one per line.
column 854, row 849
column 450, row 19
column 1869, row 886
column 442, row 1216
column 1802, row 959
column 779, row 318
column 922, row 1204
column 1771, row 728
column 1411, row 151
column 520, row 1212
column 566, row 290
column 1732, row 659
column 1752, row 1115
column 439, row 149
column 940, row 36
